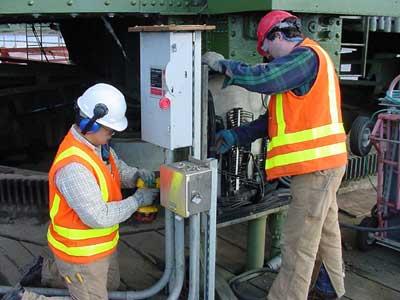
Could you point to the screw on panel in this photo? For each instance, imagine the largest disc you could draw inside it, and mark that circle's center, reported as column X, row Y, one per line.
column 133, row 3
column 186, row 3
column 107, row 2
column 153, row 3
column 144, row 3
column 179, row 3
column 31, row 2
column 162, row 2
column 171, row 3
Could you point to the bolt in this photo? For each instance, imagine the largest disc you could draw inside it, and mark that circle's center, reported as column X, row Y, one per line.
column 144, row 3
column 233, row 53
column 70, row 2
column 133, row 2
column 171, row 3
column 153, row 3
column 31, row 2
column 107, row 2
column 162, row 3
column 179, row 4
column 233, row 34
column 336, row 53
column 337, row 35
column 186, row 3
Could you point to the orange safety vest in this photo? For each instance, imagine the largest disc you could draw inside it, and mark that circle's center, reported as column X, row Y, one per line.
column 68, row 237
column 306, row 132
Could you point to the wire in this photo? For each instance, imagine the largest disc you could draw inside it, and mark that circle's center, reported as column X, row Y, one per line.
column 372, row 184
column 369, row 229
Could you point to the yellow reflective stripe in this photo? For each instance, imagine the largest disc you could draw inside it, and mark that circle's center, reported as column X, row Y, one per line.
column 305, row 155
column 82, row 234
column 54, row 207
column 306, row 135
column 280, row 117
column 83, row 250
column 331, row 87
column 82, row 154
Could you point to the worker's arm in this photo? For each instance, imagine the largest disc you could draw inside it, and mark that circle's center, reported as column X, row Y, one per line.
column 128, row 174
column 252, row 131
column 296, row 71
column 82, row 192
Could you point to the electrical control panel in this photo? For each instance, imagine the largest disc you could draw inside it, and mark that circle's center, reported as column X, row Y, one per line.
column 167, row 76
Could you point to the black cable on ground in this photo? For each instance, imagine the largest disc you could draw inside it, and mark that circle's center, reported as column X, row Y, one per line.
column 369, row 229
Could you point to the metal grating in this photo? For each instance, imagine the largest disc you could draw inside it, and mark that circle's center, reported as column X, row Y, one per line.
column 361, row 167
column 23, row 192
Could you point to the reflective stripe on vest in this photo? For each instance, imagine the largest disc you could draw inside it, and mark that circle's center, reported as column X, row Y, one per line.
column 282, row 138
column 81, row 234
column 305, row 155
column 83, row 250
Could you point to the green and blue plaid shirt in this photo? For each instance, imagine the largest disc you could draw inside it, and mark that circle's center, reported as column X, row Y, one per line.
column 296, row 71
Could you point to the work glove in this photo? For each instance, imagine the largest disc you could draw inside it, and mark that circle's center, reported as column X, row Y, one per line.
column 225, row 140
column 212, row 59
column 145, row 196
column 147, row 176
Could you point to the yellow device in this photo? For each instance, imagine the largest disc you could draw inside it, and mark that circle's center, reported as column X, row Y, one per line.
column 146, row 214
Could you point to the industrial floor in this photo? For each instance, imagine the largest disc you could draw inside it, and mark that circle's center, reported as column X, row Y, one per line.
column 371, row 275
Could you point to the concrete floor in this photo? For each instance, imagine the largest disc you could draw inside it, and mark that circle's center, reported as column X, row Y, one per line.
column 371, row 275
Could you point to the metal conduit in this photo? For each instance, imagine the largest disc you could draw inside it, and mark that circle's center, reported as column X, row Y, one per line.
column 179, row 258
column 194, row 275
column 169, row 256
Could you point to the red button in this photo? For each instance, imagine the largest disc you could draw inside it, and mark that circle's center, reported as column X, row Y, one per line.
column 165, row 103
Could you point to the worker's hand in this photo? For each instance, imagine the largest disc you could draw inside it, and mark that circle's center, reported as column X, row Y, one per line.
column 225, row 140
column 212, row 59
column 147, row 176
column 146, row 197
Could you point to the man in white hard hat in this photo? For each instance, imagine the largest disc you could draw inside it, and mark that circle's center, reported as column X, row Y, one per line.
column 86, row 204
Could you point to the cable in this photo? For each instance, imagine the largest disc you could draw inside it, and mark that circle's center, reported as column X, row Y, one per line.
column 369, row 229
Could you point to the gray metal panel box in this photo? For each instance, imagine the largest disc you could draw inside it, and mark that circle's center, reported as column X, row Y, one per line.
column 185, row 188
column 166, row 60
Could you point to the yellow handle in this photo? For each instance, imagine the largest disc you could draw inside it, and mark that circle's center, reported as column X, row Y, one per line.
column 140, row 183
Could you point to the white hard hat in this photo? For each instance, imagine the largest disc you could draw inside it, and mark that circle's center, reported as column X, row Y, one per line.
column 110, row 97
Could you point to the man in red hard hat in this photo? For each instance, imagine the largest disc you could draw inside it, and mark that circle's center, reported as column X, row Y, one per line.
column 306, row 141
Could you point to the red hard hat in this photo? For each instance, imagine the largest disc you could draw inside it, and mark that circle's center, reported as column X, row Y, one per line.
column 267, row 23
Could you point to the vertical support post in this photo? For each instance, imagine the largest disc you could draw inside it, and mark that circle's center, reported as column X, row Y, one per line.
column 275, row 223
column 256, row 243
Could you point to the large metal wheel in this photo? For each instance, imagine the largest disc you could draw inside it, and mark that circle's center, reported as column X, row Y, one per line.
column 366, row 240
column 360, row 143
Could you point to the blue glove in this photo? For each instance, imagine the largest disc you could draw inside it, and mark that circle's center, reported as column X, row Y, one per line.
column 225, row 140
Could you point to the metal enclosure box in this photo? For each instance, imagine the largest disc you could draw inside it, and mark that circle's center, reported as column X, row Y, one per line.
column 167, row 75
column 185, row 188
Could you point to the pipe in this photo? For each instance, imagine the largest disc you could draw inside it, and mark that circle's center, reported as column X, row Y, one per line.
column 147, row 293
column 179, row 258
column 194, row 276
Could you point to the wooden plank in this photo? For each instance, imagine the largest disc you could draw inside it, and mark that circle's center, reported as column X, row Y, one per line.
column 171, row 27
column 136, row 272
column 381, row 265
column 150, row 245
column 235, row 234
column 359, row 288
column 358, row 203
column 230, row 257
column 13, row 257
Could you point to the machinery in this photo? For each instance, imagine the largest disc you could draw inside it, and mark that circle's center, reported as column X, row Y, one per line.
column 159, row 72
column 385, row 137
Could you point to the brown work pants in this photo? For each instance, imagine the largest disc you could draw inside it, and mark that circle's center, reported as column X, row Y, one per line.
column 311, row 233
column 83, row 281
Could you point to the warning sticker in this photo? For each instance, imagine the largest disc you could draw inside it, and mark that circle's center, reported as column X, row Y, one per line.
column 156, row 82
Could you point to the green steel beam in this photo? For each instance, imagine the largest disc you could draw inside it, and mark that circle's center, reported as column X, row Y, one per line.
column 18, row 7
column 345, row 7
